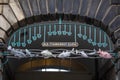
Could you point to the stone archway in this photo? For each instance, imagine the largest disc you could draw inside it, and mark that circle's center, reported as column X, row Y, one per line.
column 103, row 13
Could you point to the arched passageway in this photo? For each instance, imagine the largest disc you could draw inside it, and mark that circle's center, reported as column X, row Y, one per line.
column 97, row 15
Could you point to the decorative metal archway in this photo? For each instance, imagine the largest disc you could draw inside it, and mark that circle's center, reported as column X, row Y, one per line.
column 61, row 34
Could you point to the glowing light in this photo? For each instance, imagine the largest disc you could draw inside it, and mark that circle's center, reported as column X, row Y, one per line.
column 52, row 70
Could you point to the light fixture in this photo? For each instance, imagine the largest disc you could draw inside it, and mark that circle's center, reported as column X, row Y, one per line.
column 52, row 70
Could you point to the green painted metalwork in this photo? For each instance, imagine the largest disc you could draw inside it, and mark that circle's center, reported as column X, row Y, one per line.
column 39, row 33
column 75, row 36
column 36, row 31
column 24, row 42
column 85, row 36
column 44, row 33
column 90, row 39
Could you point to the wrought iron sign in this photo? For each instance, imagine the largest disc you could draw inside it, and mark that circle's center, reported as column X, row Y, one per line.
column 60, row 34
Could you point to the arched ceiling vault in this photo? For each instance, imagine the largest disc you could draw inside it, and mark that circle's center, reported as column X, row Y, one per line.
column 18, row 13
